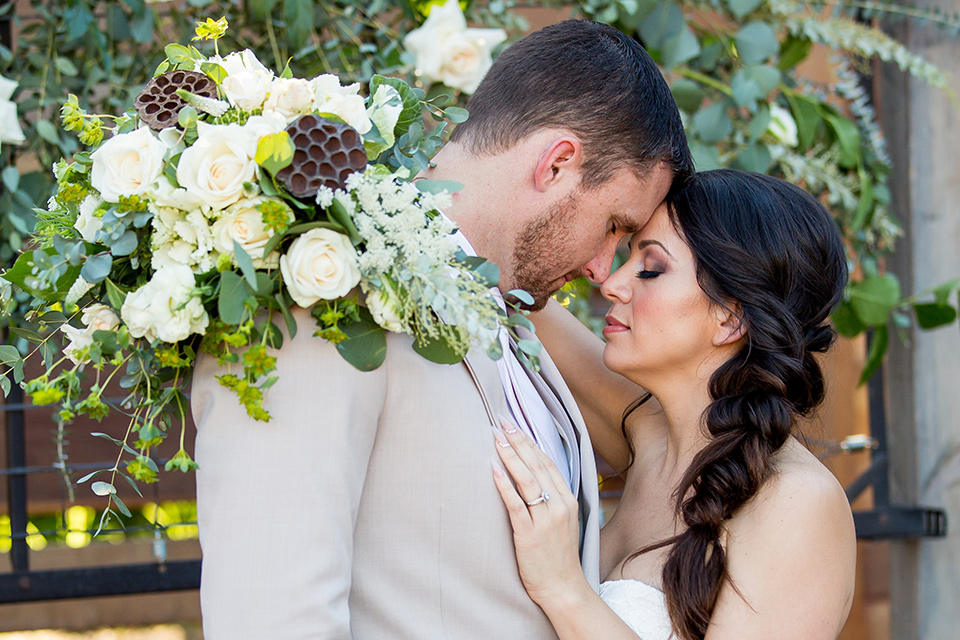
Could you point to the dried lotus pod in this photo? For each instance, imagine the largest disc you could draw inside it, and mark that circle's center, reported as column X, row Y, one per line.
column 158, row 105
column 325, row 153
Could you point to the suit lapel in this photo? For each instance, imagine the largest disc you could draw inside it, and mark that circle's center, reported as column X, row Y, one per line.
column 563, row 407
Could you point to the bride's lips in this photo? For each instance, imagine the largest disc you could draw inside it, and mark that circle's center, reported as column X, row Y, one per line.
column 614, row 326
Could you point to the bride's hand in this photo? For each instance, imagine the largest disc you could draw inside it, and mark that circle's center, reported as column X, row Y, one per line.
column 544, row 514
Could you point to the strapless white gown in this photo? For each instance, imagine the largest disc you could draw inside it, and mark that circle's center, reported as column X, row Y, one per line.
column 642, row 607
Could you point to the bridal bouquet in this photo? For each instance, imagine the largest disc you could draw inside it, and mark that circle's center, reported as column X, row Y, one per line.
column 229, row 196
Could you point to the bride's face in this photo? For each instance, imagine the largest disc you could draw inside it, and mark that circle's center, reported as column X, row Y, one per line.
column 661, row 324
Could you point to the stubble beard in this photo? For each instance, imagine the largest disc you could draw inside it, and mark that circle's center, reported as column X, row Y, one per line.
column 538, row 254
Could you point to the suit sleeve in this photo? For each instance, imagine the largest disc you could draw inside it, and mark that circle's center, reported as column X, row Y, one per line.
column 277, row 501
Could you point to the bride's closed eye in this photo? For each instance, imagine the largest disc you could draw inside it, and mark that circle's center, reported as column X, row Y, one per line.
column 644, row 274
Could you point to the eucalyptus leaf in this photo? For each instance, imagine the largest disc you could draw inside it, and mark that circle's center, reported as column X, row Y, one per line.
column 679, row 48
column 231, row 299
column 126, row 245
column 438, row 186
column 437, row 350
column 712, row 123
column 103, row 488
column 756, row 42
column 96, row 267
column 522, row 296
column 456, row 115
column 245, row 262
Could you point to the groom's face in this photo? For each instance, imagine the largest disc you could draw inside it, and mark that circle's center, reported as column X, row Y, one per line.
column 578, row 235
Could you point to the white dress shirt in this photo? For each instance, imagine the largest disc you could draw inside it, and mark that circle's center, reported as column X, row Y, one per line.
column 527, row 408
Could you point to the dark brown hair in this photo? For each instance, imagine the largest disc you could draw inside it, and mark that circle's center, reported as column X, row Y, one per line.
column 774, row 251
column 587, row 78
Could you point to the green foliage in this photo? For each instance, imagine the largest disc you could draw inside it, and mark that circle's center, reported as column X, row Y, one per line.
column 737, row 87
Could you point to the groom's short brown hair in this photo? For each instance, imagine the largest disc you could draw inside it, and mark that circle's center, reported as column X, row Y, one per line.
column 590, row 79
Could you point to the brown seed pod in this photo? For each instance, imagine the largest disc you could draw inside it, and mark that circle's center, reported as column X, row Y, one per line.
column 158, row 105
column 325, row 153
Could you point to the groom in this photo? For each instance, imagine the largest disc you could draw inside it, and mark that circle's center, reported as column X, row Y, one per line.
column 366, row 507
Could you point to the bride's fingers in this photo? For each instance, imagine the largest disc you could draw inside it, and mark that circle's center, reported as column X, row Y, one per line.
column 516, row 507
column 540, row 464
column 528, row 486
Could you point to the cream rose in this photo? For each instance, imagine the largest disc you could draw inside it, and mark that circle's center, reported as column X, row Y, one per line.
column 100, row 317
column 290, row 97
column 127, row 164
column 448, row 52
column 165, row 307
column 214, row 168
column 321, row 264
column 96, row 317
column 243, row 223
column 344, row 102
column 247, row 80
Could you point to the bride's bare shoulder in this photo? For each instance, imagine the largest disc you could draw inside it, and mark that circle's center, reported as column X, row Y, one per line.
column 801, row 497
column 791, row 550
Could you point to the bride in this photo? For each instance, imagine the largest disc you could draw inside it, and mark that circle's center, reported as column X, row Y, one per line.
column 728, row 527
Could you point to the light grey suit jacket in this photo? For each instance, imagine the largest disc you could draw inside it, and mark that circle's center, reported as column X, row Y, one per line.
column 366, row 507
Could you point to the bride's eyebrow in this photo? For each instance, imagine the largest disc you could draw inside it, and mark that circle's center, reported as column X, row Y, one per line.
column 646, row 243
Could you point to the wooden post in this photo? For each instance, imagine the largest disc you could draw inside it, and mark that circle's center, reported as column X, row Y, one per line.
column 923, row 375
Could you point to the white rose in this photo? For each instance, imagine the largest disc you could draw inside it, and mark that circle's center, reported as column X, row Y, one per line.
column 165, row 307
column 243, row 223
column 385, row 308
column 448, row 52
column 290, row 97
column 214, row 168
column 344, row 102
column 100, row 317
column 96, row 317
column 79, row 340
column 320, row 265
column 782, row 126
column 88, row 223
column 10, row 131
column 127, row 164
column 247, row 80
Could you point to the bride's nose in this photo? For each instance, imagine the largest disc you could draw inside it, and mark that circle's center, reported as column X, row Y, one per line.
column 616, row 288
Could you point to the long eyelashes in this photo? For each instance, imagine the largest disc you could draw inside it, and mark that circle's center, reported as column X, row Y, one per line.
column 644, row 274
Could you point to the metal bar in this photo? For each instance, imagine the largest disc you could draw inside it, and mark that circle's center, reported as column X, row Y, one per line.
column 878, row 431
column 100, row 581
column 875, row 472
column 17, row 485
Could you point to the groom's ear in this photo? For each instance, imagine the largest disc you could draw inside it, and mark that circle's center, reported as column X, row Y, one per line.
column 559, row 163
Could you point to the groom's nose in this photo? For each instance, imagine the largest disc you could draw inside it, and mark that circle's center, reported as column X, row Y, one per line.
column 597, row 270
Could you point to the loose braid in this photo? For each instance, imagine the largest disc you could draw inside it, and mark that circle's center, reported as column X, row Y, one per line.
column 772, row 253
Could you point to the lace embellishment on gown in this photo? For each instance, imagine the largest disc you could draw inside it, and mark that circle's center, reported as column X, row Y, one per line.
column 642, row 607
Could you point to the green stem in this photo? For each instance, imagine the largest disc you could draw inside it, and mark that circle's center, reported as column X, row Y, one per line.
column 702, row 78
